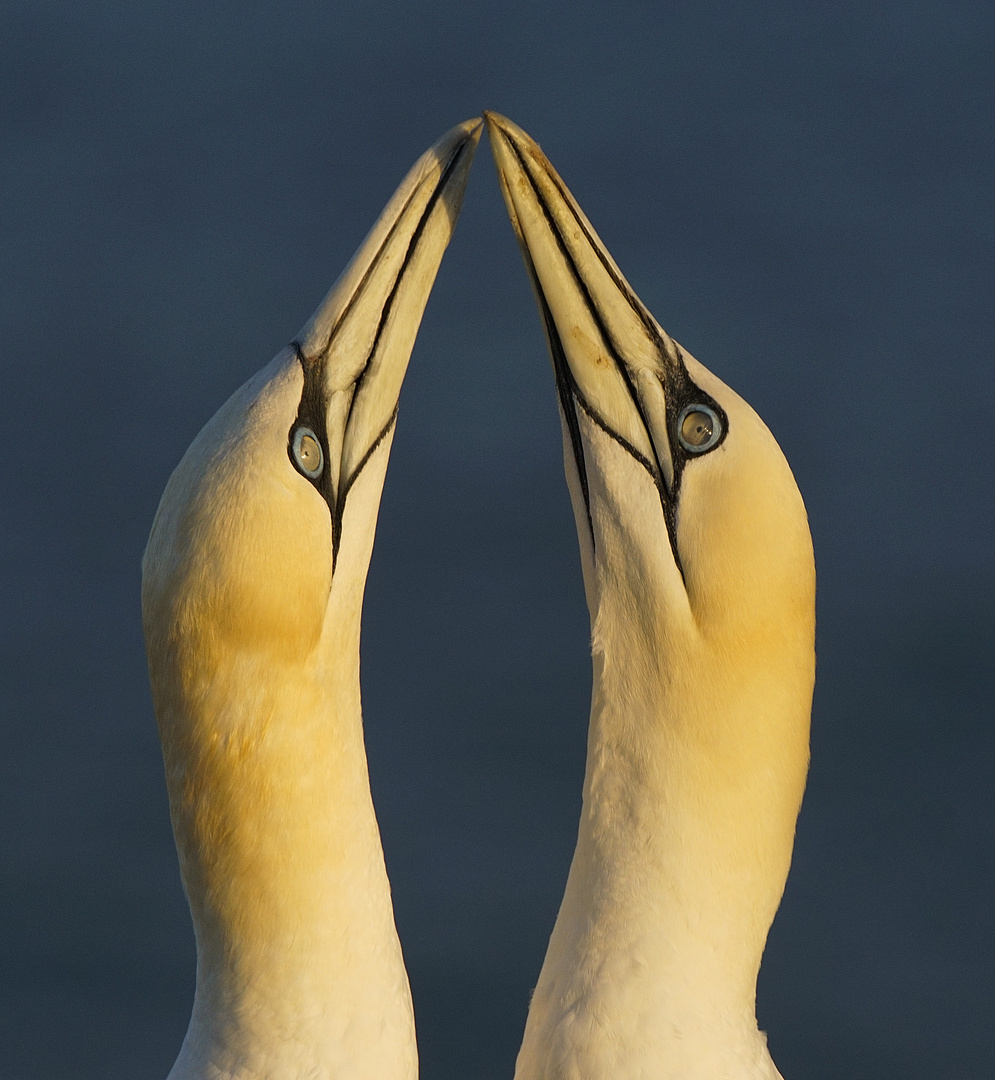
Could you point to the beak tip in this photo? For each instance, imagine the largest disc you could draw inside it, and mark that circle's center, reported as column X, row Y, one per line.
column 512, row 146
column 471, row 129
column 440, row 173
column 496, row 122
column 462, row 137
column 474, row 133
column 501, row 125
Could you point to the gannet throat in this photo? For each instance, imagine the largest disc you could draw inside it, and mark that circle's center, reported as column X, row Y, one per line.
column 700, row 582
column 252, row 592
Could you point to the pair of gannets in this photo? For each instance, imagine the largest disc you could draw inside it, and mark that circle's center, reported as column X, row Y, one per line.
column 700, row 582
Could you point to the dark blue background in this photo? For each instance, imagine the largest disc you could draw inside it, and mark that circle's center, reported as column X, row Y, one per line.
column 803, row 196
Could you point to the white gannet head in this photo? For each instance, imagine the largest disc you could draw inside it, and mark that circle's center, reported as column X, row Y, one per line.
column 696, row 458
column 700, row 581
column 252, row 592
column 282, row 485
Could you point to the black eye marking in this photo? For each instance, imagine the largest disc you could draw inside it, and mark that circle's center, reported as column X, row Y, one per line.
column 309, row 425
column 682, row 395
column 307, row 440
column 307, row 448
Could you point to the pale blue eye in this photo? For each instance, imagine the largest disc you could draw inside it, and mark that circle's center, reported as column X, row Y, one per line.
column 307, row 453
column 698, row 428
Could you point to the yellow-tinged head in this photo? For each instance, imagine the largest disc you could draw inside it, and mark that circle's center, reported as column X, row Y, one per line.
column 252, row 590
column 279, row 492
column 700, row 582
column 683, row 488
column 240, row 556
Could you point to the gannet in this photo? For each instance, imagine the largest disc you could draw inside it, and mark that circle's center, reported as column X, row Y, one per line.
column 700, row 581
column 252, row 592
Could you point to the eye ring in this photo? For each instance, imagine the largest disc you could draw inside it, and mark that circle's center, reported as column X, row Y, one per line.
column 307, row 454
column 698, row 428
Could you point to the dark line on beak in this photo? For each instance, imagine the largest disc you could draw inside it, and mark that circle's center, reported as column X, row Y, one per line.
column 666, row 348
column 457, row 153
column 677, row 383
column 313, row 366
column 566, row 389
column 374, row 262
column 351, row 479
column 668, row 507
column 654, row 468
column 339, row 512
column 408, row 256
column 596, row 314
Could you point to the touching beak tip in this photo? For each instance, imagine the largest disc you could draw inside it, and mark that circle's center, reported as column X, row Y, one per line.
column 501, row 140
column 516, row 154
column 441, row 173
column 500, row 136
column 462, row 135
column 496, row 123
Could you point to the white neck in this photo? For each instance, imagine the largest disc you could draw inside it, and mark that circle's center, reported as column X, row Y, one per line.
column 695, row 770
column 299, row 969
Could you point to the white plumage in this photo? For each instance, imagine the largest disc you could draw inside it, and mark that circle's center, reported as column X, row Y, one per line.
column 700, row 582
column 252, row 591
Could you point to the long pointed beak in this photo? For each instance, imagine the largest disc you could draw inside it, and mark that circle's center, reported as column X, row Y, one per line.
column 612, row 360
column 356, row 346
